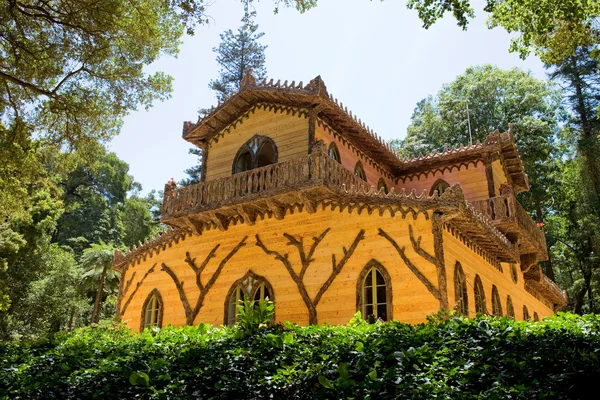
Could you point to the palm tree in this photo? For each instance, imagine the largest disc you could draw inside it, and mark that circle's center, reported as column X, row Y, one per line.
column 97, row 262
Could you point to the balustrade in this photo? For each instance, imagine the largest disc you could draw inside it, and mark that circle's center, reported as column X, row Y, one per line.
column 259, row 181
column 506, row 209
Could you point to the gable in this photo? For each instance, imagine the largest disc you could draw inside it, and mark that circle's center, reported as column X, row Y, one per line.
column 289, row 132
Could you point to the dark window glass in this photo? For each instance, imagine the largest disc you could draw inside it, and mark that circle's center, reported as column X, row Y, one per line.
column 266, row 155
column 243, row 162
column 460, row 291
column 334, row 153
column 480, row 306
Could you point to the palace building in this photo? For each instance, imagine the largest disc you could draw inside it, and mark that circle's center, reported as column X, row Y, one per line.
column 302, row 203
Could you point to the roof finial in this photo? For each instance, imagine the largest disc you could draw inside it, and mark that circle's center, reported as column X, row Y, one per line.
column 248, row 78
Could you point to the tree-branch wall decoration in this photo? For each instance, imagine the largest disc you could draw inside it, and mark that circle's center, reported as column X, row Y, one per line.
column 306, row 258
column 120, row 310
column 440, row 292
column 191, row 312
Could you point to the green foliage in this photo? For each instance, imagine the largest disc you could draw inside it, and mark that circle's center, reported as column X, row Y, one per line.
column 550, row 28
column 252, row 315
column 237, row 53
column 496, row 98
column 484, row 358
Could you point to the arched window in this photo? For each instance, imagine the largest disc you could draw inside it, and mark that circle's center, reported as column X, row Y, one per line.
column 261, row 293
column 374, row 293
column 496, row 304
column 152, row 310
column 460, row 291
column 439, row 186
column 513, row 273
column 510, row 310
column 252, row 286
column 536, row 317
column 381, row 185
column 243, row 161
column 235, row 300
column 525, row 313
column 359, row 171
column 267, row 154
column 334, row 152
column 480, row 307
column 258, row 152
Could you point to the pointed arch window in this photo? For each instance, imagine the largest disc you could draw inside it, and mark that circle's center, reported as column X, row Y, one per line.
column 510, row 309
column 496, row 304
column 374, row 293
column 334, row 152
column 525, row 313
column 439, row 186
column 152, row 311
column 259, row 151
column 460, row 291
column 536, row 317
column 480, row 306
column 359, row 171
column 381, row 185
column 252, row 286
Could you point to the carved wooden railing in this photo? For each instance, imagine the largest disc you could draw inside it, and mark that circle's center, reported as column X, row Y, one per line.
column 260, row 181
column 506, row 209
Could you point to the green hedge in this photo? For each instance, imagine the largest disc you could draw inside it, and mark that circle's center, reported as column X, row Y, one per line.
column 485, row 358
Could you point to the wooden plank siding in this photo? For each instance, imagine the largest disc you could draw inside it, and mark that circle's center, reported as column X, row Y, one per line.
column 499, row 176
column 471, row 177
column 350, row 155
column 473, row 264
column 412, row 302
column 289, row 132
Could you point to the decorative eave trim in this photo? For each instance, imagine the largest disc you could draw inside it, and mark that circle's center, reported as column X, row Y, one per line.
column 497, row 144
column 150, row 247
column 313, row 96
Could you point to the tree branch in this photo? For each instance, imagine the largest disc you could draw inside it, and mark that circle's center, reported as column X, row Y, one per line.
column 416, row 245
column 401, row 251
column 179, row 286
column 137, row 286
column 198, row 270
column 337, row 268
column 284, row 259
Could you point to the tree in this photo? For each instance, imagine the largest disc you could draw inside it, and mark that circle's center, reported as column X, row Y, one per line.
column 194, row 173
column 238, row 53
column 495, row 98
column 550, row 28
column 576, row 223
column 97, row 263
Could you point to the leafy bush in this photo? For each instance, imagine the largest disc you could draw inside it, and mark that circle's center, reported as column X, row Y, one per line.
column 449, row 357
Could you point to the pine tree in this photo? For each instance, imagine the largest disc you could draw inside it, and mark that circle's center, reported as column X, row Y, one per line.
column 237, row 53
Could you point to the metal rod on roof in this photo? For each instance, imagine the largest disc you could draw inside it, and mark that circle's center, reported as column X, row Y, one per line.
column 469, row 122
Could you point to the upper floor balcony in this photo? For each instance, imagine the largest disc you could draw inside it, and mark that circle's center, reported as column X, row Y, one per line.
column 506, row 214
column 304, row 183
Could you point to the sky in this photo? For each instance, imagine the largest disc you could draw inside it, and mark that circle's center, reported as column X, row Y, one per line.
column 375, row 57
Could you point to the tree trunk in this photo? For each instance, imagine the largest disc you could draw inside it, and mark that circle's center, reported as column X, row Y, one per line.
column 98, row 302
column 71, row 319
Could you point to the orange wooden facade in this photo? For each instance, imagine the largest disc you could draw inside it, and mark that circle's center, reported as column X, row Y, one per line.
column 281, row 212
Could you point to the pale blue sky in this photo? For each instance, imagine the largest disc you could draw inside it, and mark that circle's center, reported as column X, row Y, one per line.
column 373, row 56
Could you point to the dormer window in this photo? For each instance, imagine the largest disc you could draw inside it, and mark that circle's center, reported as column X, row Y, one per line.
column 439, row 186
column 359, row 171
column 259, row 151
column 334, row 153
